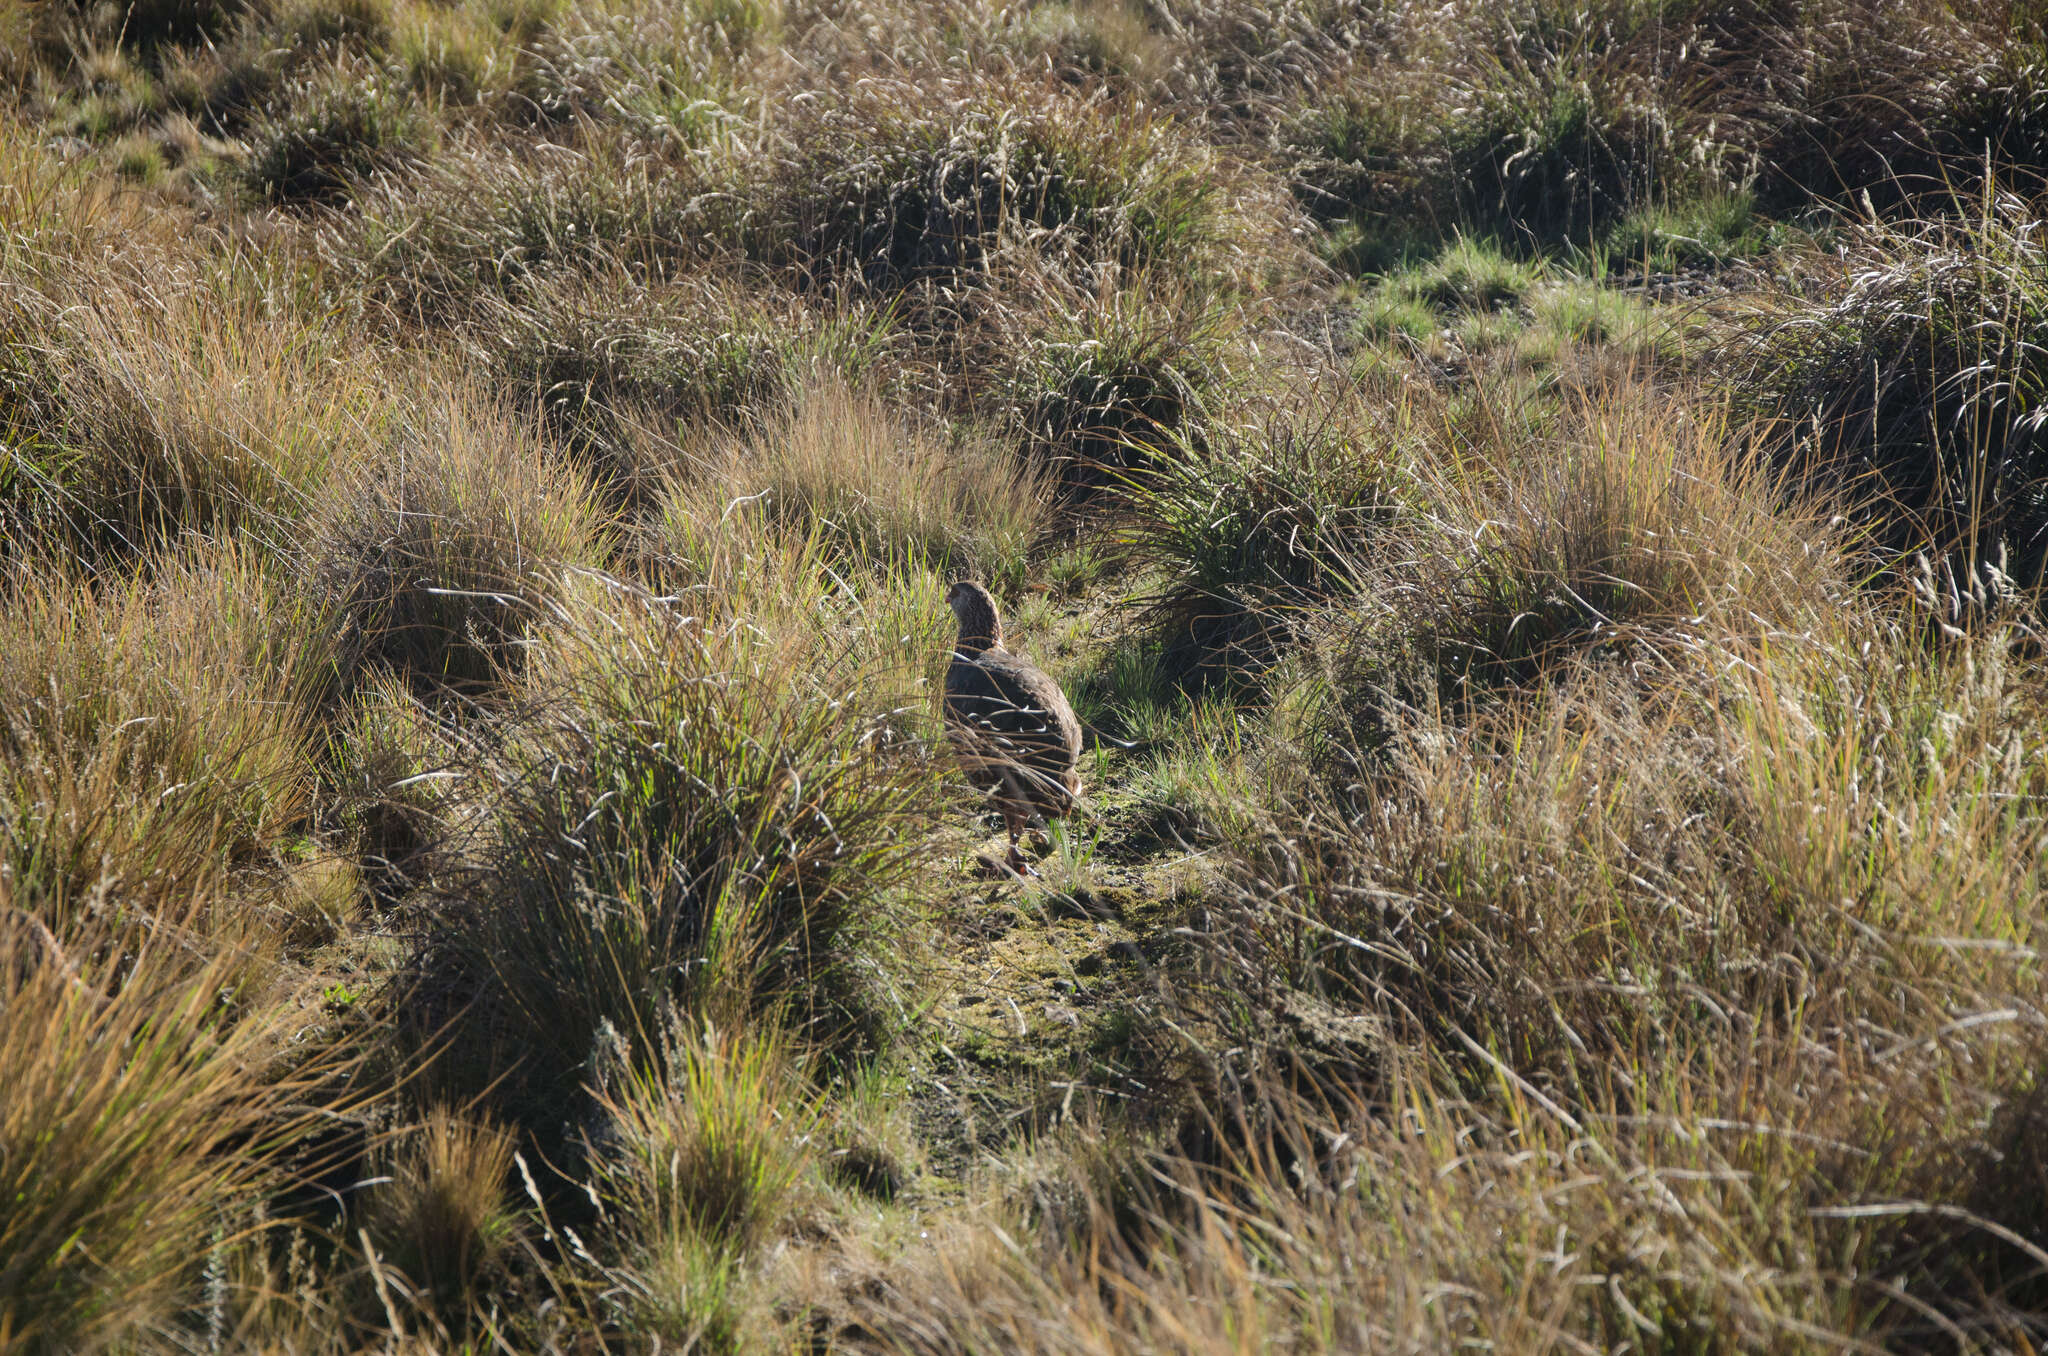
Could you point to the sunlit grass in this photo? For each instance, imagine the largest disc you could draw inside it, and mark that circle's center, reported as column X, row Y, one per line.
column 1537, row 508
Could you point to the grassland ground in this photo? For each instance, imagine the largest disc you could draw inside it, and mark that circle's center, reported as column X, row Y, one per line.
column 1541, row 509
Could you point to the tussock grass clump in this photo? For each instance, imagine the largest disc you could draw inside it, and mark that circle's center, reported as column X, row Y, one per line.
column 1097, row 390
column 146, row 1119
column 1682, row 942
column 153, row 734
column 897, row 181
column 332, row 127
column 661, row 70
column 625, row 371
column 1471, row 275
column 1702, row 232
column 391, row 787
column 706, row 1139
column 481, row 216
column 146, row 27
column 1547, row 125
column 143, row 411
column 1536, row 124
column 1478, row 318
column 455, row 56
column 311, row 70
column 444, row 1218
column 1902, row 102
column 1631, row 524
column 332, row 24
column 1915, row 388
column 706, row 1145
column 720, row 547
column 881, row 492
column 691, row 818
column 1470, row 294
column 438, row 555
column 1260, row 526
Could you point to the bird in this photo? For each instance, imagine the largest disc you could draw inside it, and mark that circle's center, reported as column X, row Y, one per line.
column 1011, row 723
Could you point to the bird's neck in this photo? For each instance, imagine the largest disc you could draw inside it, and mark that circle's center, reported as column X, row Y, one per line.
column 980, row 630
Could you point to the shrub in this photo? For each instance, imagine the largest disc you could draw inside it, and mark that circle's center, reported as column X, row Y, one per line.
column 1912, row 389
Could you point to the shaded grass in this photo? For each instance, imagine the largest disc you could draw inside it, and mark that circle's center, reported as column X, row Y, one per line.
column 335, row 126
column 1550, row 125
column 691, row 817
column 1915, row 384
column 436, row 556
column 443, row 1218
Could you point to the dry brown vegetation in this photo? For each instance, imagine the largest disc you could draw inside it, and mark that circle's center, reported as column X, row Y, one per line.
column 1542, row 506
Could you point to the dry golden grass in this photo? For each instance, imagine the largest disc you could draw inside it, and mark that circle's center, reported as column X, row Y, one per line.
column 880, row 492
column 152, row 1102
column 443, row 549
column 156, row 731
column 478, row 863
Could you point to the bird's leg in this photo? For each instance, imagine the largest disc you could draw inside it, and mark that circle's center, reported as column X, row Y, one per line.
column 1016, row 827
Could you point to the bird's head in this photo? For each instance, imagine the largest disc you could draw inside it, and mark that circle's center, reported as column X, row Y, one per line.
column 980, row 627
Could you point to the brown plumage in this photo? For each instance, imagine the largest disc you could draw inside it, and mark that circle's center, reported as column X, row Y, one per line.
column 1015, row 731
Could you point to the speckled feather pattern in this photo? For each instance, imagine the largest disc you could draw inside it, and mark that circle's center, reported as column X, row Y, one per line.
column 1009, row 718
